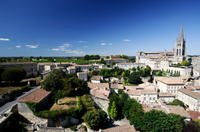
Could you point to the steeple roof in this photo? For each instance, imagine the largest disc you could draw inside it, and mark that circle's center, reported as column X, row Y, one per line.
column 181, row 36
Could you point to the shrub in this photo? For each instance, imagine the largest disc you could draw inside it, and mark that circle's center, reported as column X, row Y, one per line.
column 178, row 103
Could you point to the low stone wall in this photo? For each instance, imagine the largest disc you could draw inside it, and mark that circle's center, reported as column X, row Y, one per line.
column 28, row 114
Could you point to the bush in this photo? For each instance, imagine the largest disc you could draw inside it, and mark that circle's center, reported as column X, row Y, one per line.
column 185, row 63
column 177, row 103
column 13, row 75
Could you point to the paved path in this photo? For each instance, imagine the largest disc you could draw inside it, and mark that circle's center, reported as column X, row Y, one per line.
column 9, row 105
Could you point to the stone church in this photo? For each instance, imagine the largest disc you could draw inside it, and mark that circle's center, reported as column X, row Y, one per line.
column 158, row 60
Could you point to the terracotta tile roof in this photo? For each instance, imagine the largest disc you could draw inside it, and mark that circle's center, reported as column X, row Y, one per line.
column 98, row 78
column 122, row 128
column 98, row 85
column 168, row 109
column 194, row 115
column 147, row 108
column 178, row 110
column 36, row 96
column 137, row 90
column 171, row 80
column 117, row 86
column 190, row 93
column 101, row 93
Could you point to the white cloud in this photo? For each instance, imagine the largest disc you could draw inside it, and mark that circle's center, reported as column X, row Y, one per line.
column 127, row 40
column 55, row 49
column 82, row 41
column 102, row 43
column 18, row 46
column 65, row 48
column 4, row 39
column 32, row 46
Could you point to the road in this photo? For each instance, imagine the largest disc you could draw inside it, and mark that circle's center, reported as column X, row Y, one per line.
column 9, row 105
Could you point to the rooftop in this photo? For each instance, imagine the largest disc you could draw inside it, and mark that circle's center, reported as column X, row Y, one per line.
column 98, row 78
column 166, row 95
column 190, row 93
column 138, row 90
column 117, row 86
column 171, row 80
column 122, row 128
column 194, row 115
column 102, row 93
column 178, row 110
column 98, row 85
column 36, row 96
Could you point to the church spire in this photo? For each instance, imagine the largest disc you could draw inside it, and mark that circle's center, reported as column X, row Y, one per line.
column 181, row 36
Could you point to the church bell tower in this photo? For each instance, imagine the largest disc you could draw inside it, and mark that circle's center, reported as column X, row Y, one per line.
column 180, row 49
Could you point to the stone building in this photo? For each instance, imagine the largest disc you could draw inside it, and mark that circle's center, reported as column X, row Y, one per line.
column 29, row 67
column 154, row 59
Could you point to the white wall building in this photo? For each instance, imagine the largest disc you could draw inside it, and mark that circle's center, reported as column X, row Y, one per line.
column 143, row 95
column 190, row 98
column 83, row 76
column 169, row 84
column 127, row 66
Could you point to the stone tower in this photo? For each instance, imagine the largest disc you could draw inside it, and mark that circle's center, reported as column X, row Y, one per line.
column 180, row 49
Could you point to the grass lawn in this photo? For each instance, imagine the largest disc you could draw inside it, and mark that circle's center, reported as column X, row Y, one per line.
column 4, row 90
column 64, row 103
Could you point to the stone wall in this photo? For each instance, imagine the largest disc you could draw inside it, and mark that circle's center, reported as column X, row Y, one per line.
column 28, row 114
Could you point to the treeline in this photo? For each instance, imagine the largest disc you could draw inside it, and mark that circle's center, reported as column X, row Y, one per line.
column 132, row 76
column 12, row 75
column 91, row 57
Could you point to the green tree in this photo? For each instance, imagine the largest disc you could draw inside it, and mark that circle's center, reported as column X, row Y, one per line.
column 134, row 78
column 73, row 86
column 185, row 63
column 86, row 57
column 103, row 61
column 1, row 71
column 156, row 121
column 113, row 111
column 95, row 119
column 13, row 75
column 53, row 81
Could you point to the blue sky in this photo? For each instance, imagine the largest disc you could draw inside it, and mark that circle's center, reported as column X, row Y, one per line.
column 105, row 27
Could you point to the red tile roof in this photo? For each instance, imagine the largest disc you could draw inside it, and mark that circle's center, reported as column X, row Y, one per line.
column 194, row 115
column 122, row 128
column 36, row 96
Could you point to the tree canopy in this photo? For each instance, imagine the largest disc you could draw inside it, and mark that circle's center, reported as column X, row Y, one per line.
column 53, row 81
column 185, row 63
column 13, row 74
column 91, row 57
column 95, row 119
